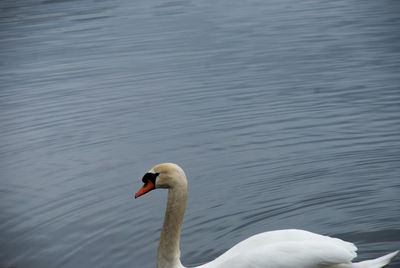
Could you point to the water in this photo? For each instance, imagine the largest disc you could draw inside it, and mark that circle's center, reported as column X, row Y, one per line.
column 284, row 114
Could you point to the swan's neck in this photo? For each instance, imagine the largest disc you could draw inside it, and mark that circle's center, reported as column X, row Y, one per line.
column 168, row 247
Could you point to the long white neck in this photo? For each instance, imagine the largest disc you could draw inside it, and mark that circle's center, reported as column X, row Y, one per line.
column 168, row 247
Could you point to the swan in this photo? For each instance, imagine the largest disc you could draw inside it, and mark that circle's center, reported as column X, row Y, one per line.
column 275, row 249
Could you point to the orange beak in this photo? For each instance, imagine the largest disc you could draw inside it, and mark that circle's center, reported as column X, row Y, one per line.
column 147, row 187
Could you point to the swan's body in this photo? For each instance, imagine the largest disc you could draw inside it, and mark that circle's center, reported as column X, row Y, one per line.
column 276, row 249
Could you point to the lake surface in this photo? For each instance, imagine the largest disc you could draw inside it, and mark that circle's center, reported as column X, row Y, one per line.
column 284, row 114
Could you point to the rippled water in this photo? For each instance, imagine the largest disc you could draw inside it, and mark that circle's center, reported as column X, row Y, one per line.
column 284, row 114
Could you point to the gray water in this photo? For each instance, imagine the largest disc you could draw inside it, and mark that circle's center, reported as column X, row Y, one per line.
column 284, row 114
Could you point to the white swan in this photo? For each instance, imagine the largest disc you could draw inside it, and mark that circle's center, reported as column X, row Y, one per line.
column 276, row 249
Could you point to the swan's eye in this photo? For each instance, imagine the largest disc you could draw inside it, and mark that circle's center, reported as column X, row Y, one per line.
column 150, row 177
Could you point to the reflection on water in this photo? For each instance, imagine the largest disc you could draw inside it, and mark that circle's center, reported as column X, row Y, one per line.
column 282, row 113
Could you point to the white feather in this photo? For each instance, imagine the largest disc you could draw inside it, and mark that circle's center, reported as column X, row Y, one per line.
column 286, row 248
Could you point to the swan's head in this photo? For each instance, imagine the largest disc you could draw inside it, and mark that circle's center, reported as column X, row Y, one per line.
column 167, row 175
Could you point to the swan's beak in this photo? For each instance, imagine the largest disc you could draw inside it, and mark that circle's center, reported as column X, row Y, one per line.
column 147, row 187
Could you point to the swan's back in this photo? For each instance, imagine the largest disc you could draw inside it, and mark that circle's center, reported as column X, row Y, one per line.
column 286, row 248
